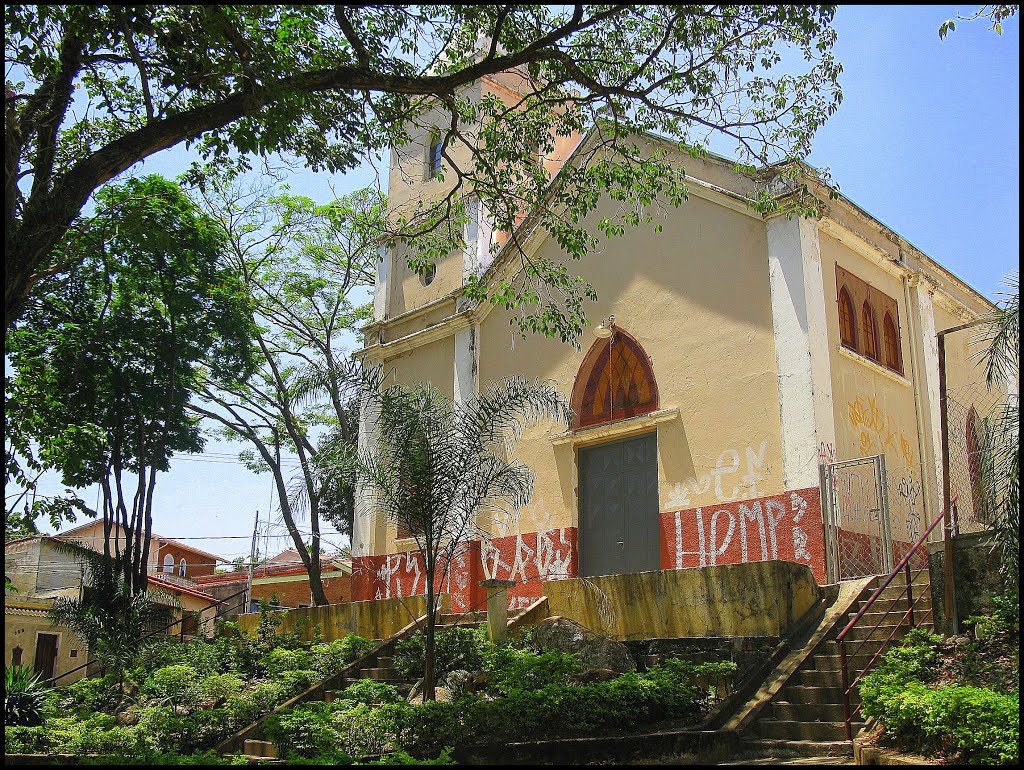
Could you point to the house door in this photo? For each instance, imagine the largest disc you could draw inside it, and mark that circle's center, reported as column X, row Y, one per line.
column 46, row 655
column 619, row 529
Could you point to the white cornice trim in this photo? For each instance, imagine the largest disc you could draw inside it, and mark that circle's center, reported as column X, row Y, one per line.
column 618, row 429
column 868, row 250
column 445, row 328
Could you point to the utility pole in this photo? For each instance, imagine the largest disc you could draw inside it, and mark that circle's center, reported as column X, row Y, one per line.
column 252, row 559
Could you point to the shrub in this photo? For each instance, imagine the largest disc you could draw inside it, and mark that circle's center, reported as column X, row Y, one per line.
column 295, row 682
column 371, row 692
column 175, row 681
column 455, row 648
column 279, row 660
column 218, row 686
column 329, row 658
column 23, row 696
column 88, row 695
column 973, row 724
column 510, row 668
column 305, row 731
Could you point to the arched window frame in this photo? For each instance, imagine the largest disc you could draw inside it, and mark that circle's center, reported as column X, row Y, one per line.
column 597, row 363
column 891, row 344
column 974, row 459
column 168, row 564
column 182, row 567
column 847, row 324
column 870, row 330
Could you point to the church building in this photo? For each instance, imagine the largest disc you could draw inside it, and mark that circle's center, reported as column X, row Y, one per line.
column 739, row 362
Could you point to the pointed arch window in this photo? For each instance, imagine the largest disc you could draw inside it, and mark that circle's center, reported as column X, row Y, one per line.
column 615, row 382
column 974, row 460
column 847, row 327
column 870, row 331
column 891, row 344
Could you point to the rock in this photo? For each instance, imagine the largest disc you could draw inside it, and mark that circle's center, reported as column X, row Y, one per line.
column 594, row 675
column 595, row 650
column 458, row 682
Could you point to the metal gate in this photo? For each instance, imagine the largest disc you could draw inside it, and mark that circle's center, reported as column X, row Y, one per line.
column 857, row 536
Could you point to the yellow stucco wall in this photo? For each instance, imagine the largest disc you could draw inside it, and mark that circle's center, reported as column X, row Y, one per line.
column 696, row 297
column 755, row 599
column 23, row 622
column 874, row 407
column 377, row 619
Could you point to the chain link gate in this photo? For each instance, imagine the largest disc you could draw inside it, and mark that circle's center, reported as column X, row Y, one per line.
column 857, row 537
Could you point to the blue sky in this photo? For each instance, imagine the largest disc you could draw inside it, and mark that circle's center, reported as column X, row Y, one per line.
column 926, row 140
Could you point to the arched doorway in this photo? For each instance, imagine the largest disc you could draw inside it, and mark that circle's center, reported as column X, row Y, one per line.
column 619, row 530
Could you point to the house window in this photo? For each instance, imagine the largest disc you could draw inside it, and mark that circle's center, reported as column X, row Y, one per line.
column 169, row 564
column 182, row 567
column 891, row 341
column 434, row 155
column 615, row 382
column 870, row 332
column 16, row 656
column 74, row 653
column 847, row 329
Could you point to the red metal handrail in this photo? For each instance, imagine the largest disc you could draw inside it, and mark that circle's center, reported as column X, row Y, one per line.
column 904, row 565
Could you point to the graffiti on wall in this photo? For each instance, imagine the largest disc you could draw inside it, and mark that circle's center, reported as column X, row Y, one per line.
column 528, row 558
column 786, row 526
column 878, row 431
column 826, row 453
column 734, row 476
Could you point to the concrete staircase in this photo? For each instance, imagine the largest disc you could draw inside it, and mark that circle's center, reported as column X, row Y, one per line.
column 805, row 716
column 378, row 666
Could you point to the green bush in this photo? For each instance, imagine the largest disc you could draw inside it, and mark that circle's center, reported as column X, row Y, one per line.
column 218, row 686
column 295, row 682
column 279, row 660
column 371, row 692
column 88, row 695
column 333, row 656
column 556, row 709
column 175, row 681
column 455, row 648
column 509, row 669
column 973, row 724
column 24, row 695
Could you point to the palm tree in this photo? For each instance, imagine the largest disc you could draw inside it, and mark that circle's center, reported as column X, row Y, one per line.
column 438, row 469
column 1000, row 445
column 114, row 622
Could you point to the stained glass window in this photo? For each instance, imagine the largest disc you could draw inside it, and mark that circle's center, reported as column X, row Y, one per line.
column 870, row 332
column 847, row 331
column 891, row 341
column 615, row 382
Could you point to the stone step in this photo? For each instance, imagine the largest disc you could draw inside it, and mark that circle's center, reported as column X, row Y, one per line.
column 380, row 673
column 854, row 663
column 385, row 661
column 796, row 693
column 261, row 749
column 809, row 712
column 877, row 632
column 860, row 647
column 814, row 678
column 800, row 731
column 767, row 747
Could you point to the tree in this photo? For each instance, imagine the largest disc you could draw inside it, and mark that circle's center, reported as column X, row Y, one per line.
column 1000, row 439
column 93, row 90
column 996, row 13
column 303, row 266
column 105, row 361
column 114, row 622
column 440, row 471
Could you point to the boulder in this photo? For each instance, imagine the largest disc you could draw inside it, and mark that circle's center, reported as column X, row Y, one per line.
column 458, row 682
column 596, row 651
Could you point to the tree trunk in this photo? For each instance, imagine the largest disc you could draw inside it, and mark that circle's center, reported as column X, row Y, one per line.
column 429, row 652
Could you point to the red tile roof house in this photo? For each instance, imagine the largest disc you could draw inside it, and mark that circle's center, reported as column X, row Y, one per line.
column 39, row 573
column 282, row 580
